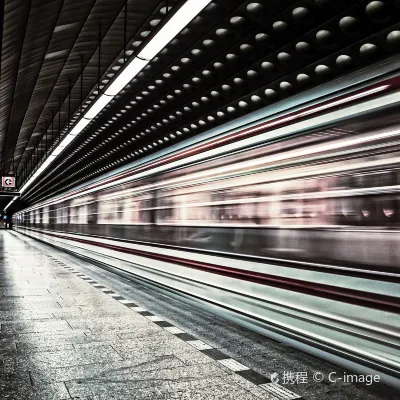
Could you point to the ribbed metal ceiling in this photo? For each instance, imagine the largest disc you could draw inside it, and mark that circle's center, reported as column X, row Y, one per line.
column 235, row 57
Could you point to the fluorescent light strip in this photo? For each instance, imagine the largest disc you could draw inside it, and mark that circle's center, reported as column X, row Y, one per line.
column 80, row 125
column 177, row 22
column 97, row 106
column 14, row 198
column 128, row 73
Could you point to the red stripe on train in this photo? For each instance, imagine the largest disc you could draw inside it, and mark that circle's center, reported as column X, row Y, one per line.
column 351, row 296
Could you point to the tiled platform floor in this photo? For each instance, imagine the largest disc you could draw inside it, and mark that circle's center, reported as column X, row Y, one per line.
column 70, row 329
column 62, row 338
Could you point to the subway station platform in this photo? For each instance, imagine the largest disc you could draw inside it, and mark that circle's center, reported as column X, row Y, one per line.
column 70, row 330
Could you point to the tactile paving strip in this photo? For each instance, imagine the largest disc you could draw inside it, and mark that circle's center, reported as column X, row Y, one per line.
column 261, row 381
column 233, row 365
column 280, row 391
column 199, row 345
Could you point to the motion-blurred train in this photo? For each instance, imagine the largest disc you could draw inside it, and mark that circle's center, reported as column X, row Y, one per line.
column 333, row 201
column 297, row 236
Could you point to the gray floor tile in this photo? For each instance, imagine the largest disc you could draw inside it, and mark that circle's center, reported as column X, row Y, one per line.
column 35, row 326
column 104, row 371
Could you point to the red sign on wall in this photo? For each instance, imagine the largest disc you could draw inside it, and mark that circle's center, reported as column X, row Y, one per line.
column 8, row 181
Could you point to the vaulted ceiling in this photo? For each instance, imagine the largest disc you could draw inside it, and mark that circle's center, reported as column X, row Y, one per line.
column 235, row 57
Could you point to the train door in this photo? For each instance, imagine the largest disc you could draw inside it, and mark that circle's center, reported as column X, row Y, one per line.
column 52, row 216
column 93, row 211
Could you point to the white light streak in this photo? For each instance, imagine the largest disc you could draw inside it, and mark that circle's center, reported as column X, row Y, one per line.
column 133, row 68
column 178, row 21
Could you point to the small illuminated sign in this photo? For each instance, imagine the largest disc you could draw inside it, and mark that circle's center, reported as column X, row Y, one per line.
column 8, row 181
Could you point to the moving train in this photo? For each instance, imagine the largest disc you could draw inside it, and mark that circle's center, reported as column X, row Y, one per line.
column 296, row 237
column 296, row 199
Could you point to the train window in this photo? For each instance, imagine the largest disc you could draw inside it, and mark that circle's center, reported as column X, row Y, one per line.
column 45, row 215
column 92, row 212
column 120, row 210
column 235, row 208
column 65, row 213
column 166, row 209
column 73, row 215
column 347, row 182
column 218, row 212
column 309, row 209
column 145, row 211
column 289, row 209
column 391, row 178
column 396, row 177
column 247, row 212
column 197, row 213
column 376, row 179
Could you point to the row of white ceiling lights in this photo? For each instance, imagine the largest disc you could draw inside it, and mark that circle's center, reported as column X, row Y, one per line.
column 110, row 74
column 185, row 60
column 220, row 33
column 113, row 119
column 189, row 10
